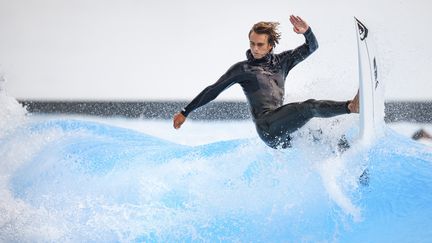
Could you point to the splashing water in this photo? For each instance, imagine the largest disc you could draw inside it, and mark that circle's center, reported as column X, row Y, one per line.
column 75, row 180
column 12, row 114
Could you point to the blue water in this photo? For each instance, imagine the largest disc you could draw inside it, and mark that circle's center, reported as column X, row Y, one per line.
column 73, row 180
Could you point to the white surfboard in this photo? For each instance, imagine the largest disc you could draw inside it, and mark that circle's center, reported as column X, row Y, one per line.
column 371, row 87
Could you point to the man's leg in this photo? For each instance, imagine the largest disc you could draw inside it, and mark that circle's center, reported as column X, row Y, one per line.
column 276, row 128
column 290, row 117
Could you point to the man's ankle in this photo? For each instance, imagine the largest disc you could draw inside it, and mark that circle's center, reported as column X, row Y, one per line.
column 353, row 107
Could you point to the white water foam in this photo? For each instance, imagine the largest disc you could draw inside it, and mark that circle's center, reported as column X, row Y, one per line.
column 12, row 114
column 231, row 186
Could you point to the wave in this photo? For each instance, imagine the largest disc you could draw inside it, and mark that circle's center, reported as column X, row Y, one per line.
column 75, row 180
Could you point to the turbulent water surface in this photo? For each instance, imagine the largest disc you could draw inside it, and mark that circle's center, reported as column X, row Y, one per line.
column 65, row 179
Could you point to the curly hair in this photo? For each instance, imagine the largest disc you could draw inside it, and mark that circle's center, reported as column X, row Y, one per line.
column 268, row 28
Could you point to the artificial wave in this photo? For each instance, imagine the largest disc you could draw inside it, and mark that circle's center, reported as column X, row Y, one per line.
column 76, row 180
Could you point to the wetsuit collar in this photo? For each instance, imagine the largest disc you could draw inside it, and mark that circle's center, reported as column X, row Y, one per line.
column 266, row 59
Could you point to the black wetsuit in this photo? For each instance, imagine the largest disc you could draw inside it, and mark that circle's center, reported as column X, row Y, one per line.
column 263, row 82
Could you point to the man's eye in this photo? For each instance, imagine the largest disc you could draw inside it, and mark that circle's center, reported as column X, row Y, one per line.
column 260, row 44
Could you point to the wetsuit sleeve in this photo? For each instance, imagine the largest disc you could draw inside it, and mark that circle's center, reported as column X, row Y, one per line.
column 212, row 91
column 291, row 58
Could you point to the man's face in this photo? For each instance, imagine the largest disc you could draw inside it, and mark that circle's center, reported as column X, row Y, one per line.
column 259, row 45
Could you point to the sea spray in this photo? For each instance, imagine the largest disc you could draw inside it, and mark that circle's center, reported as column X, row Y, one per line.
column 75, row 180
column 12, row 114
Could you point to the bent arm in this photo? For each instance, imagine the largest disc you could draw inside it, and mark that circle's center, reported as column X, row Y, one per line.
column 310, row 45
column 293, row 57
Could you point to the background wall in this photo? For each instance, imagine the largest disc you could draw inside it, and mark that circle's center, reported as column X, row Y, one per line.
column 171, row 50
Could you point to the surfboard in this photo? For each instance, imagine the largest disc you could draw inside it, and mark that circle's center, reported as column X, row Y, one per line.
column 371, row 120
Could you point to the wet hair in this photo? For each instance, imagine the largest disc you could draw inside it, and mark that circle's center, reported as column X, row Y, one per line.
column 268, row 28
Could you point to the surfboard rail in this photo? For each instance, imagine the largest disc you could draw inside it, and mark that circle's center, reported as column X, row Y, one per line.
column 371, row 118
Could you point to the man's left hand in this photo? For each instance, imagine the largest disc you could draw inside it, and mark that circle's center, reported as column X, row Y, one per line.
column 300, row 26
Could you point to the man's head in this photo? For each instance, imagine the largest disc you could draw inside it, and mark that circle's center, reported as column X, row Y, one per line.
column 263, row 37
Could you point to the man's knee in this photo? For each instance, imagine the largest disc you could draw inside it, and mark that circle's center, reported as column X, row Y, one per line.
column 310, row 101
column 279, row 142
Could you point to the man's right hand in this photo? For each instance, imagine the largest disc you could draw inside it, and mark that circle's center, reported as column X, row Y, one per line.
column 179, row 119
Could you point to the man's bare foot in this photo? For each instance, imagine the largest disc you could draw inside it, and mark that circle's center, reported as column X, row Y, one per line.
column 353, row 106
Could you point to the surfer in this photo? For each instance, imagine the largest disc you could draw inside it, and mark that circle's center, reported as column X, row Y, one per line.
column 421, row 134
column 262, row 78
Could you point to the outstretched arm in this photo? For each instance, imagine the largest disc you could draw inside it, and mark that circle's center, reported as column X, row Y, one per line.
column 207, row 95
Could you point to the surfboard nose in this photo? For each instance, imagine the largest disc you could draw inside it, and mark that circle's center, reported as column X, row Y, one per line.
column 371, row 98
